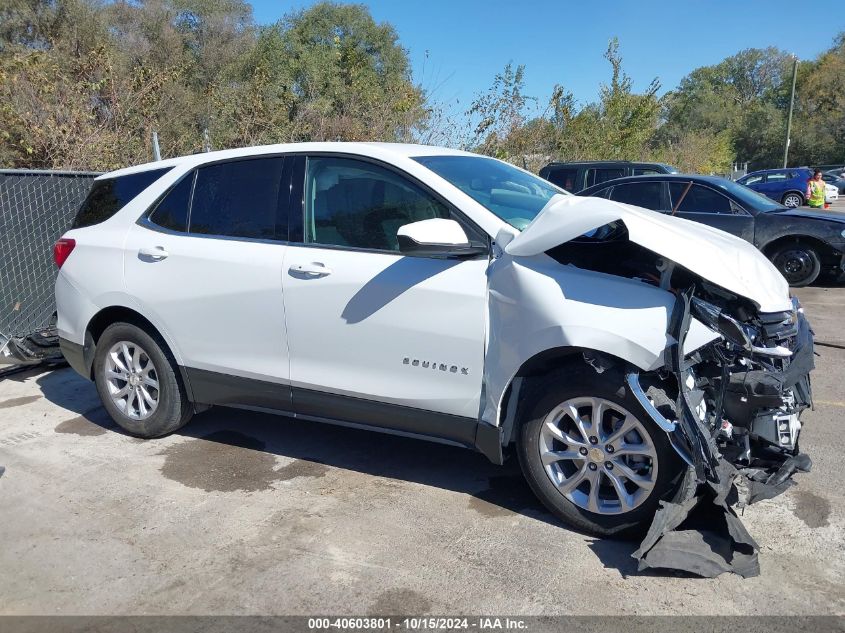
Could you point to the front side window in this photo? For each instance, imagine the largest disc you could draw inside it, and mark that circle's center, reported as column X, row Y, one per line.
column 109, row 195
column 358, row 204
column 241, row 198
column 644, row 171
column 513, row 195
column 698, row 199
column 640, row 194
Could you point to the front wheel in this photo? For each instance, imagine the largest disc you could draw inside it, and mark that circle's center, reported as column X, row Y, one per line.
column 793, row 200
column 798, row 263
column 138, row 382
column 592, row 455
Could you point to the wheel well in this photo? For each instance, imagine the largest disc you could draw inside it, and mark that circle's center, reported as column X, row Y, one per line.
column 824, row 250
column 104, row 318
column 540, row 365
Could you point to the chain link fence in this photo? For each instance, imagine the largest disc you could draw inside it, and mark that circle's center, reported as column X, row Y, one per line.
column 36, row 207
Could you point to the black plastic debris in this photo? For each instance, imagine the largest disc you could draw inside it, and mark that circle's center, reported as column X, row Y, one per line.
column 703, row 535
column 2, row 470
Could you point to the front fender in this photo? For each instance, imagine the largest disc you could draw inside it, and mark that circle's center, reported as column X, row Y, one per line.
column 535, row 304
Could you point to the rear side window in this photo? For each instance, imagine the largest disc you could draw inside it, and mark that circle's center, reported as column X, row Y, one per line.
column 640, row 194
column 172, row 212
column 564, row 178
column 699, row 199
column 597, row 176
column 109, row 195
column 240, row 199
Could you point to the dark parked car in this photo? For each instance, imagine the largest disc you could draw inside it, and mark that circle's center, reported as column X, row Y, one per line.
column 577, row 176
column 801, row 244
column 837, row 180
column 788, row 186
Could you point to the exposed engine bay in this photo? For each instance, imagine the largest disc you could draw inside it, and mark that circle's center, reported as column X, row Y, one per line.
column 732, row 407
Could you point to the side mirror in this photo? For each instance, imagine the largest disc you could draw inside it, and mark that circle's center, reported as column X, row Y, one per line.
column 436, row 238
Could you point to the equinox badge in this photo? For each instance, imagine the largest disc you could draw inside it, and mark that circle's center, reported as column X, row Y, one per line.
column 426, row 364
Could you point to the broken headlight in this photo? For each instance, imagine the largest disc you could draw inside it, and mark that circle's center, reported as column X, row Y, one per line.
column 741, row 335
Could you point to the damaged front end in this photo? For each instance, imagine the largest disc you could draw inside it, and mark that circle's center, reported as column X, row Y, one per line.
column 737, row 406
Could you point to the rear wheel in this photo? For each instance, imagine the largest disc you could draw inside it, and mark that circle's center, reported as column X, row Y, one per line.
column 138, row 382
column 592, row 455
column 798, row 263
column 793, row 200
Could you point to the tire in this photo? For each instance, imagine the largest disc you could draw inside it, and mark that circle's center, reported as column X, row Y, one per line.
column 158, row 378
column 798, row 263
column 546, row 396
column 792, row 199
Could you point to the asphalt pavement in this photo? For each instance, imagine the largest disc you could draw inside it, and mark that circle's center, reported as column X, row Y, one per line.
column 247, row 513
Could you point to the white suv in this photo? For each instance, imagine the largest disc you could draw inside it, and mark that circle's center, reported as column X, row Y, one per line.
column 439, row 294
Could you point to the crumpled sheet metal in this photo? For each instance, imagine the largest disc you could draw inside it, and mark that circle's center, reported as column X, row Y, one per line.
column 703, row 535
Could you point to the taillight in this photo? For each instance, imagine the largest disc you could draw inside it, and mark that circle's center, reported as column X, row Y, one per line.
column 62, row 250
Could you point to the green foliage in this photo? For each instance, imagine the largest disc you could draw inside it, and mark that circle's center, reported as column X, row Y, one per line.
column 84, row 84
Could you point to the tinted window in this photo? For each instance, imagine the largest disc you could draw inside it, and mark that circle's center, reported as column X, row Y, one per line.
column 361, row 205
column 565, row 178
column 596, row 176
column 642, row 171
column 172, row 212
column 240, row 199
column 698, row 199
column 109, row 195
column 641, row 194
column 512, row 194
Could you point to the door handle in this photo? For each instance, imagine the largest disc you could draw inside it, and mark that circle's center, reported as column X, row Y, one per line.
column 157, row 252
column 314, row 269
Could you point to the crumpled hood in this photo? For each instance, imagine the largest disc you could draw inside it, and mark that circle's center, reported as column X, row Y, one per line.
column 722, row 259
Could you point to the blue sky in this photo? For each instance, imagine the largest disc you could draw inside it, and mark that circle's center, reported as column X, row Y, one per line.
column 469, row 41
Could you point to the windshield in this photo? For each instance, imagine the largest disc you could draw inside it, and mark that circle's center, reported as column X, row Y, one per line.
column 749, row 198
column 512, row 194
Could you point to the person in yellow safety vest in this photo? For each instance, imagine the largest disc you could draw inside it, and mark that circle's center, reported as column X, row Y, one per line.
column 815, row 191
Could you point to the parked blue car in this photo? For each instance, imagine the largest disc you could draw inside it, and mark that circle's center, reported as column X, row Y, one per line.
column 787, row 186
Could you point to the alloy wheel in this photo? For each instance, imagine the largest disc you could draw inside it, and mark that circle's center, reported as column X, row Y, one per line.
column 792, row 201
column 598, row 455
column 132, row 380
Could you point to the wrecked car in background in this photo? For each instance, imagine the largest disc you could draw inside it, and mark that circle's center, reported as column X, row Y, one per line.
column 36, row 207
column 646, row 370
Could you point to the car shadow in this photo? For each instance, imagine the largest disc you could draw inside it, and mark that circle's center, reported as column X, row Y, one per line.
column 494, row 491
column 498, row 489
column 390, row 283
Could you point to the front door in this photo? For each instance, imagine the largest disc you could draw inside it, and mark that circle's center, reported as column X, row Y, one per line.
column 206, row 266
column 376, row 337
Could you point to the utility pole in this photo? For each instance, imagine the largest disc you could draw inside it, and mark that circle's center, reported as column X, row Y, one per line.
column 791, row 106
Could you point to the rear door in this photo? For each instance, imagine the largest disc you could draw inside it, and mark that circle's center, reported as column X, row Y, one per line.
column 206, row 266
column 700, row 203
